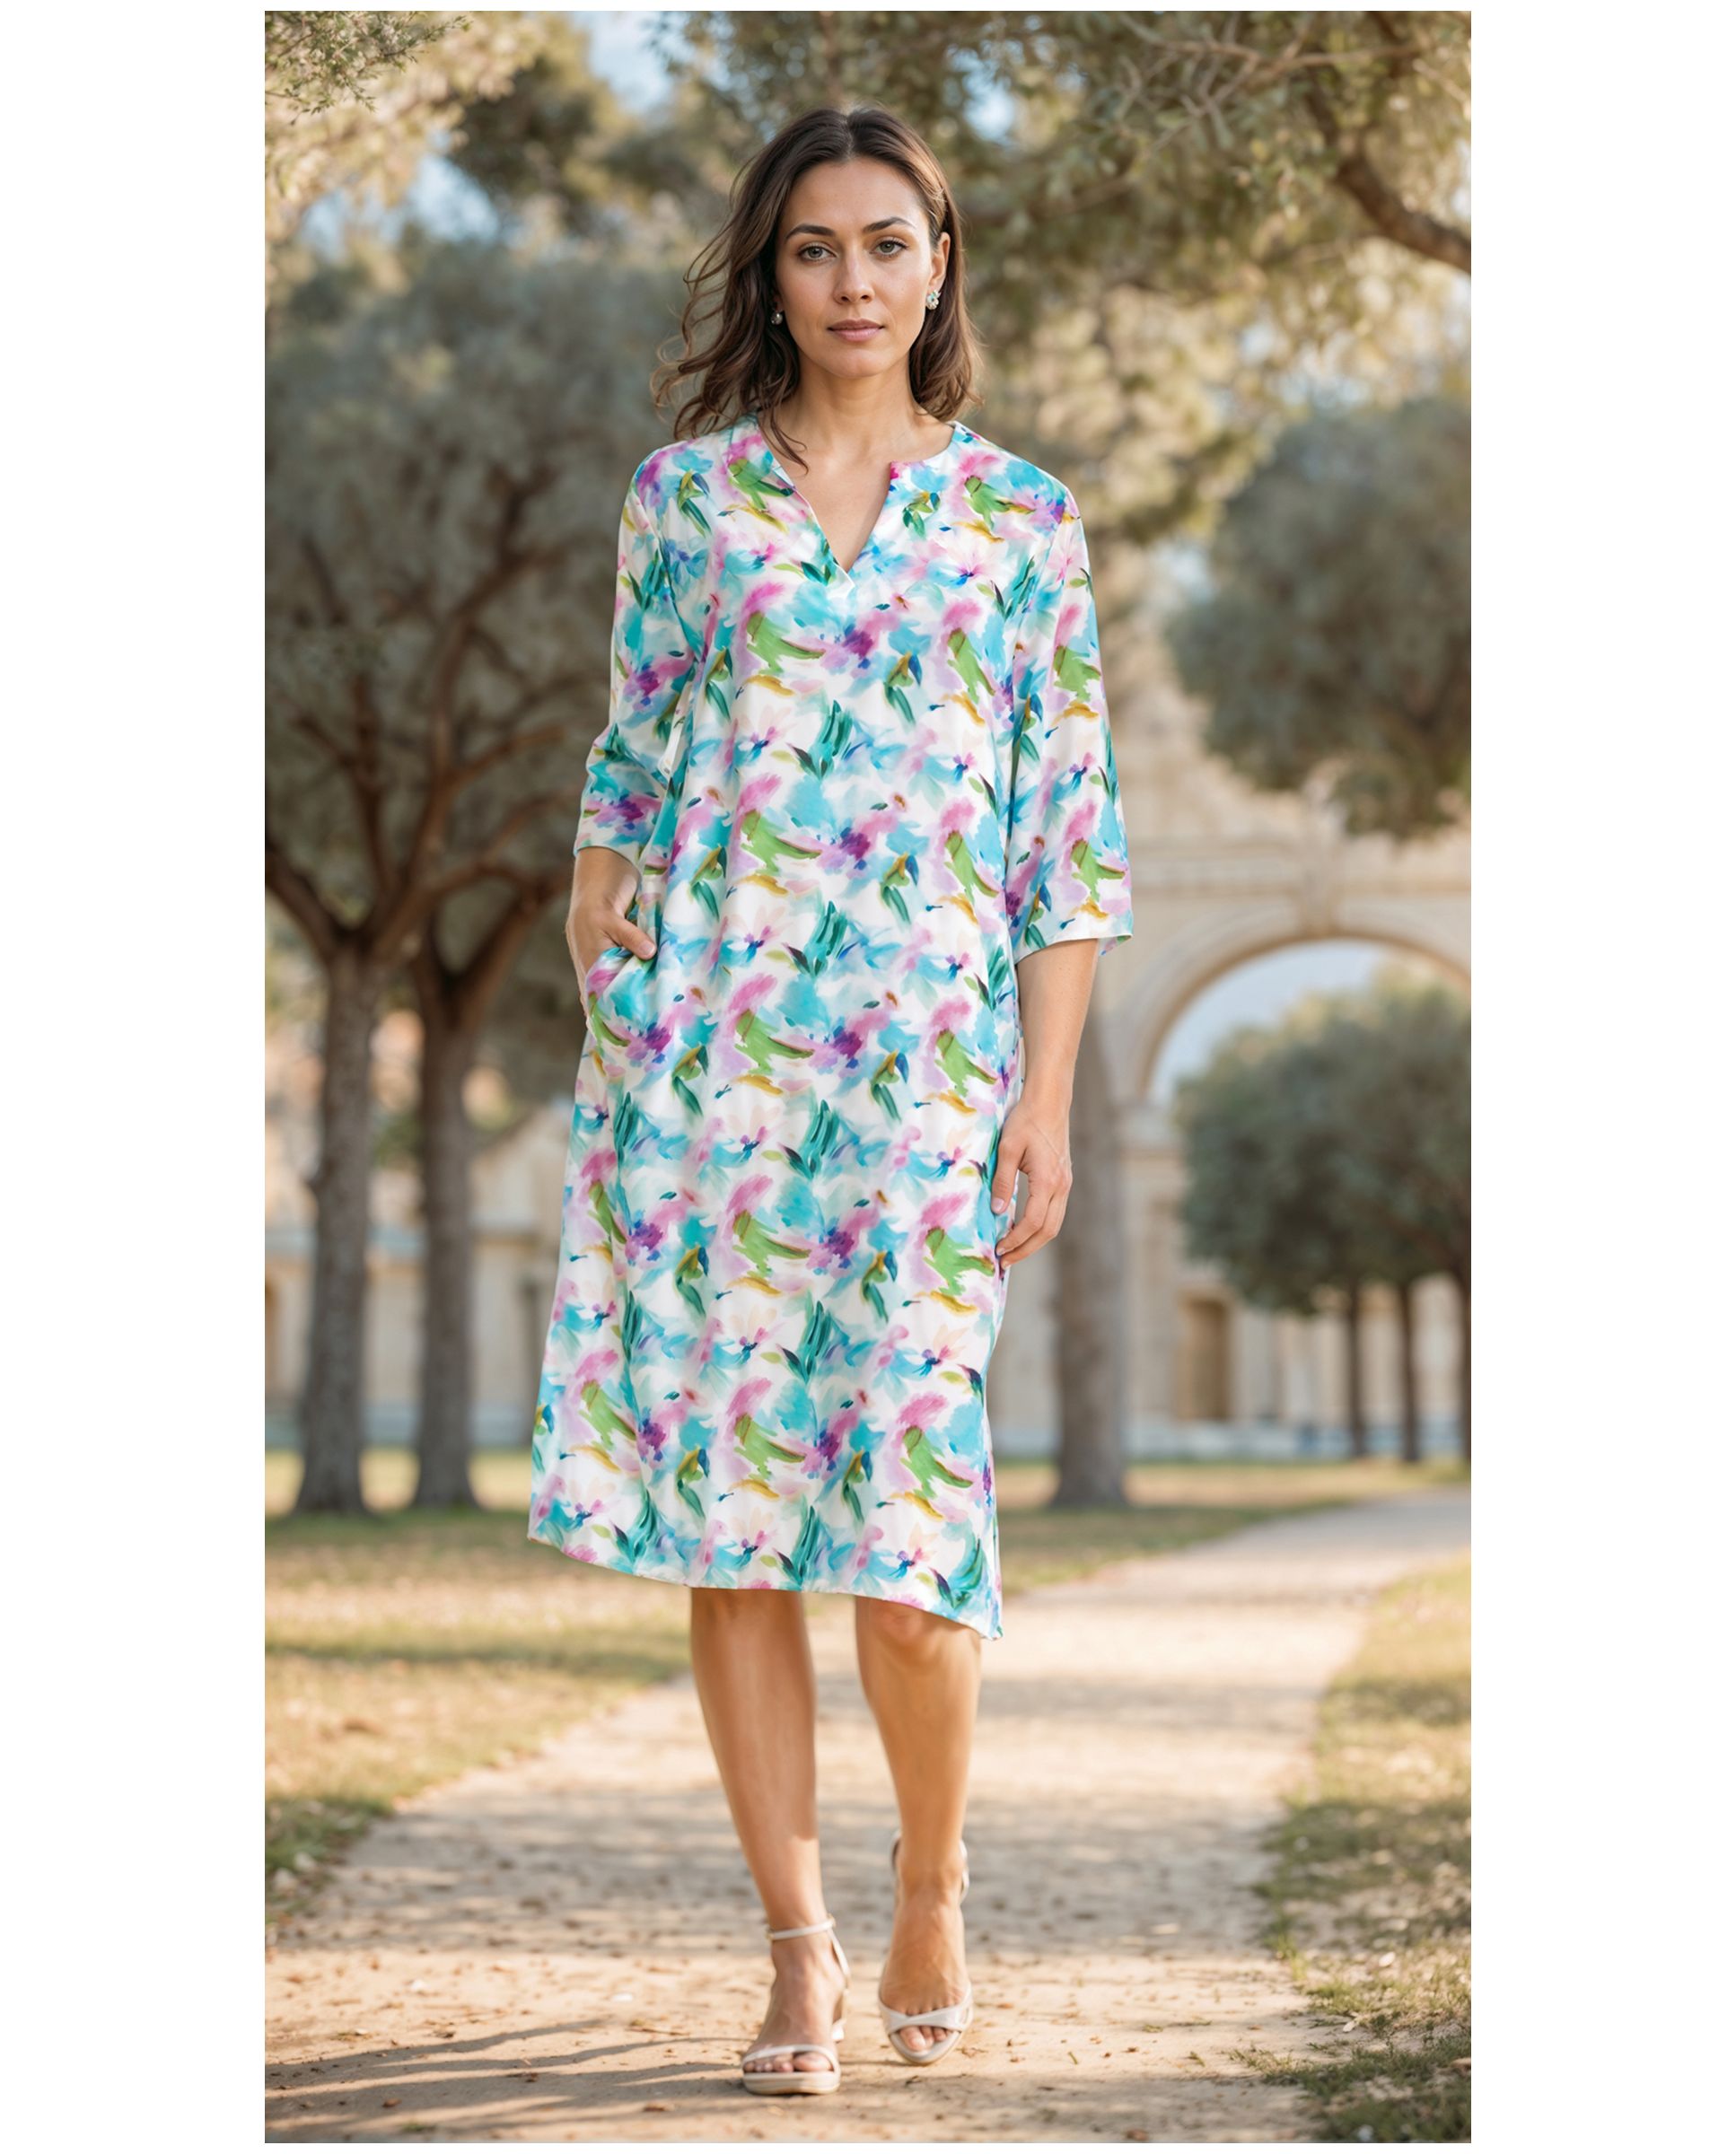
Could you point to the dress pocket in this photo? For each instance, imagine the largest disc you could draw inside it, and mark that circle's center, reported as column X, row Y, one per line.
column 609, row 1031
column 608, row 965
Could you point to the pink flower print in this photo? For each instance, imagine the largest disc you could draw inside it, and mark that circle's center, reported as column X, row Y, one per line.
column 862, row 1555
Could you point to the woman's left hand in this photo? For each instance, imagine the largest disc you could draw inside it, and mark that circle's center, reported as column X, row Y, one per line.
column 1034, row 1141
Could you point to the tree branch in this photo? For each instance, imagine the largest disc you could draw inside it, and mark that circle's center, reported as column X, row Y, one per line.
column 325, row 933
column 482, row 978
column 1412, row 229
column 514, row 744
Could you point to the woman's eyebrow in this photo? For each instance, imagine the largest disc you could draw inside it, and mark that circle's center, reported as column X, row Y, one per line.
column 826, row 230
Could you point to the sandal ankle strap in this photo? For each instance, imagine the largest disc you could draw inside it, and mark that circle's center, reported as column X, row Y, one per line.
column 811, row 1929
column 803, row 1929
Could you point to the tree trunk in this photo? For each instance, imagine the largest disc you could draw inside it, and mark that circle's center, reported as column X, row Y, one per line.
column 1412, row 1428
column 454, row 1004
column 1091, row 1293
column 1355, row 1414
column 334, row 1397
column 1463, row 1287
column 444, row 1431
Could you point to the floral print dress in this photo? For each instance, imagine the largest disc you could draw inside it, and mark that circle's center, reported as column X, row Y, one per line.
column 857, row 796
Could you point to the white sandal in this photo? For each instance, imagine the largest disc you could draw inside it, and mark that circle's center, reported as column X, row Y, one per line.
column 957, row 2017
column 802, row 2082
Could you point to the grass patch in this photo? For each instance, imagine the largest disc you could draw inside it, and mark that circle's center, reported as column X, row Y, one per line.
column 1171, row 1505
column 1370, row 1889
column 406, row 1648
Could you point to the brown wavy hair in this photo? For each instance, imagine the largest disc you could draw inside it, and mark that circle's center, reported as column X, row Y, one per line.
column 746, row 361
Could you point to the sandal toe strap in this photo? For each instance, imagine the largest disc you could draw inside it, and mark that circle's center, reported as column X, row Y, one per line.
column 954, row 2016
column 790, row 2049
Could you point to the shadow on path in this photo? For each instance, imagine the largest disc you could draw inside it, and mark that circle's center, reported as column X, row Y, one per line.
column 569, row 1948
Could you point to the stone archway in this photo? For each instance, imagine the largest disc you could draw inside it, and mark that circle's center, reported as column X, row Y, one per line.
column 1200, row 925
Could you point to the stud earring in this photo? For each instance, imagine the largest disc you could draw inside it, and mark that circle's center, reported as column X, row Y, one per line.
column 933, row 301
column 777, row 314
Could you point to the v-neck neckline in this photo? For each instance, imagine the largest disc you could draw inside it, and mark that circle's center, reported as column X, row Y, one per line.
column 896, row 469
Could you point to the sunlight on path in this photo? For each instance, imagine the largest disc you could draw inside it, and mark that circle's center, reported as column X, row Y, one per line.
column 569, row 1948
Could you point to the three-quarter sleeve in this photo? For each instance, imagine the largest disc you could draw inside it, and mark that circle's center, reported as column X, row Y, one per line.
column 650, row 664
column 1066, row 858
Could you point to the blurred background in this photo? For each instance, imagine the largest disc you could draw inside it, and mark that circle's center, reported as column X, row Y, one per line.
column 1220, row 264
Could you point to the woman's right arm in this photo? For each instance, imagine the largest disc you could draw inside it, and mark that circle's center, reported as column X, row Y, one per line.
column 651, row 663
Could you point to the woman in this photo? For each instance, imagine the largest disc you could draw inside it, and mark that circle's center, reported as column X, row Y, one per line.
column 856, row 771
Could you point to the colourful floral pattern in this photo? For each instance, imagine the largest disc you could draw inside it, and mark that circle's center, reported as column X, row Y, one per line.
column 856, row 797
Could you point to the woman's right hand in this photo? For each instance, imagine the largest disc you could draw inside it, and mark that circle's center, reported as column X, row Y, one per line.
column 603, row 884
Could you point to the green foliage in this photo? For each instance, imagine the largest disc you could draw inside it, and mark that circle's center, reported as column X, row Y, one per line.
column 1337, row 636
column 1261, row 1196
column 317, row 57
column 557, row 148
column 1403, row 1059
column 355, row 102
column 446, row 467
column 1333, row 1150
column 1370, row 1890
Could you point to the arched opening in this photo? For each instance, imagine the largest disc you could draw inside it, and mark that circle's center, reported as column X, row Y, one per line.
column 1261, row 990
column 1220, row 1375
column 1210, row 1376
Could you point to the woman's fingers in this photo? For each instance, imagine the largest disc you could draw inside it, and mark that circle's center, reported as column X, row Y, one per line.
column 608, row 930
column 1047, row 1179
column 636, row 939
column 1040, row 1222
column 1002, row 1189
column 628, row 932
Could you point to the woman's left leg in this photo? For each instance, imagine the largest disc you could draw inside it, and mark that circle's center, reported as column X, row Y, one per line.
column 921, row 1675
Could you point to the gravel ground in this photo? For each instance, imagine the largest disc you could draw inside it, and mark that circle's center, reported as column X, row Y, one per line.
column 569, row 1949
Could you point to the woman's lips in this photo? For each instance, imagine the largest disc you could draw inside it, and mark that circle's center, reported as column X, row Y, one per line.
column 857, row 335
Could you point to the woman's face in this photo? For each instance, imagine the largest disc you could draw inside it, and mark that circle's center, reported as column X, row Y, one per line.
column 854, row 247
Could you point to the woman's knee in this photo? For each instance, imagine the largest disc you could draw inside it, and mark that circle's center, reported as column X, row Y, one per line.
column 914, row 1633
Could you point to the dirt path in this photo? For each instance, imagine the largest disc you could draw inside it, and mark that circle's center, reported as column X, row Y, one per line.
column 569, row 1948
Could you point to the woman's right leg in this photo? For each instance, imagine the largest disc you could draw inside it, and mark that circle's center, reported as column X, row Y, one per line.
column 755, row 1677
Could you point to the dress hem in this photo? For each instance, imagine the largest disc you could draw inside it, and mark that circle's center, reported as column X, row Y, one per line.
column 597, row 1560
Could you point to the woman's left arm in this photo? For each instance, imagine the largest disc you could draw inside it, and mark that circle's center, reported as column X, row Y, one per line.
column 1055, row 986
